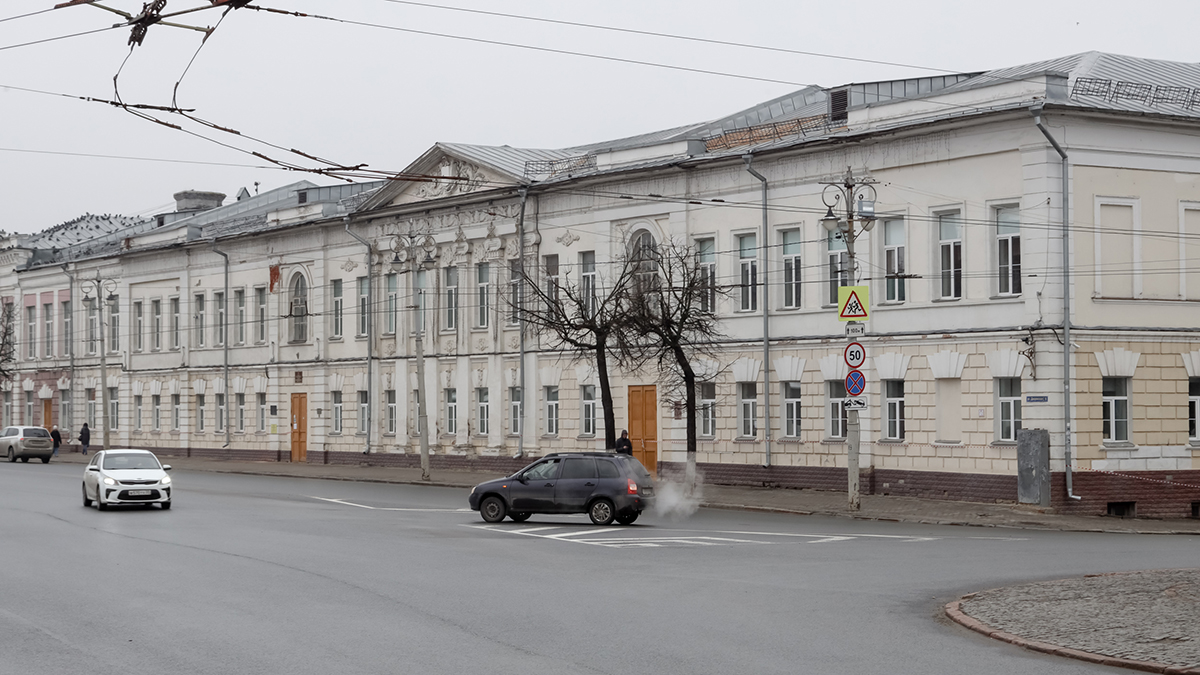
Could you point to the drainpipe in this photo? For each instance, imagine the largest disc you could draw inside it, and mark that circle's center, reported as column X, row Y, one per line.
column 70, row 342
column 370, row 330
column 225, row 343
column 521, row 318
column 763, row 248
column 1066, row 281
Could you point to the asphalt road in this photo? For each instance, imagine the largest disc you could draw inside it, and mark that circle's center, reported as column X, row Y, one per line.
column 250, row 574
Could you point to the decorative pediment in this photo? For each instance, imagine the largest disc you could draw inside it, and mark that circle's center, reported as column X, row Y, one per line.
column 45, row 392
column 458, row 177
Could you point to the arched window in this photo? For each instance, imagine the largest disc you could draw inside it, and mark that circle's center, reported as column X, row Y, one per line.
column 643, row 253
column 299, row 308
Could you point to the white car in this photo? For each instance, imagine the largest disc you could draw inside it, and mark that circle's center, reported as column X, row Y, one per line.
column 126, row 477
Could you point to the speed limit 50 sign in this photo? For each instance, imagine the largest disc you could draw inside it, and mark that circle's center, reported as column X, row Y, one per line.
column 855, row 355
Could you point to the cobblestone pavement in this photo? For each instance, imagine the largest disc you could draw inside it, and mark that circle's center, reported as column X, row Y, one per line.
column 1148, row 620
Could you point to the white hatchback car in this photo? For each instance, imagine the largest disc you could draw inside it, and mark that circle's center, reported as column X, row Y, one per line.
column 126, row 476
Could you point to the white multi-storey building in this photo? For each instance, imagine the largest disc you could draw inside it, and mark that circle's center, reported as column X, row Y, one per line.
column 318, row 319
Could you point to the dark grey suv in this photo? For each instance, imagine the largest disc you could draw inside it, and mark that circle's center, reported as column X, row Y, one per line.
column 603, row 485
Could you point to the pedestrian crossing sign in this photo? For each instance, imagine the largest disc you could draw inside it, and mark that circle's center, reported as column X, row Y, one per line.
column 854, row 303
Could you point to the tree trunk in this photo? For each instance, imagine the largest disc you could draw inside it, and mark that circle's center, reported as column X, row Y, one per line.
column 689, row 385
column 606, row 400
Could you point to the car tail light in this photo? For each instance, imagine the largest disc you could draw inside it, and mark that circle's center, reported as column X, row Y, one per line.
column 632, row 487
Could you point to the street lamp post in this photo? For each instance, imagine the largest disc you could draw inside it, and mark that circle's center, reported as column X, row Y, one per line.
column 101, row 287
column 418, row 250
column 851, row 195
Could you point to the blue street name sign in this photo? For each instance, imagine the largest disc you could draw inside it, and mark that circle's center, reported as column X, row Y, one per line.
column 856, row 383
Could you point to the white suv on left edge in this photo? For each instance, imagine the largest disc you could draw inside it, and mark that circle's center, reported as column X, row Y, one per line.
column 126, row 476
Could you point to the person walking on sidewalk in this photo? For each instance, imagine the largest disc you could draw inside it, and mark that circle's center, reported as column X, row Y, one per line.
column 624, row 445
column 57, row 438
column 85, row 438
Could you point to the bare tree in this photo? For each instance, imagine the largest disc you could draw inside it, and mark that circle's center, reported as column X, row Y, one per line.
column 8, row 340
column 586, row 314
column 672, row 303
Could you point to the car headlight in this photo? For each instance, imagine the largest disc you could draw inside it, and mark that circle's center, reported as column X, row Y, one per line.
column 166, row 480
column 109, row 481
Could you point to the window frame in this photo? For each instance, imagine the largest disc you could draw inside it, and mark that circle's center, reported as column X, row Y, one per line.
column 836, row 415
column 1008, row 274
column 837, row 267
column 551, row 396
column 450, row 396
column 338, row 407
column 707, row 408
column 893, row 410
column 949, row 258
column 338, row 301
column 483, row 275
column 1008, row 409
column 792, row 267
column 747, row 410
column 587, row 410
column 793, row 409
column 156, row 324
column 450, row 316
column 895, row 262
column 364, row 411
column 48, row 328
column 747, row 272
column 1111, row 417
column 482, row 411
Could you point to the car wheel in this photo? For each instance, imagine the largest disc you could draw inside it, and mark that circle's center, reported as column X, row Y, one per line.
column 45, row 460
column 628, row 518
column 11, row 457
column 166, row 505
column 520, row 516
column 493, row 509
column 100, row 502
column 25, row 460
column 86, row 501
column 601, row 512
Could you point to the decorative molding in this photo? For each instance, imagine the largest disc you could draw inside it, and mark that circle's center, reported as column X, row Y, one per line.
column 260, row 384
column 891, row 366
column 27, row 384
column 454, row 220
column 567, row 238
column 45, row 392
column 114, row 381
column 480, row 377
column 173, row 387
column 1191, row 362
column 789, row 368
column 64, row 383
column 510, row 377
column 448, row 378
column 337, row 382
column 138, row 387
column 155, row 388
column 349, row 265
column 947, row 365
column 239, row 385
column 200, row 387
column 746, row 369
column 833, row 367
column 585, row 373
column 706, row 370
column 360, row 381
column 219, row 386
column 1006, row 363
column 550, row 376
column 1117, row 362
column 466, row 178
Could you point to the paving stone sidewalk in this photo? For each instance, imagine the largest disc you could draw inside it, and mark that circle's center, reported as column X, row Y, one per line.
column 804, row 502
column 1148, row 620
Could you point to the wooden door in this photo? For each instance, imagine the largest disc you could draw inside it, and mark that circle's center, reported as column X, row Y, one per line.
column 299, row 427
column 643, row 425
column 47, row 412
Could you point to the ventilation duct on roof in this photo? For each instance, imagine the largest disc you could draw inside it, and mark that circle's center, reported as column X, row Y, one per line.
column 839, row 102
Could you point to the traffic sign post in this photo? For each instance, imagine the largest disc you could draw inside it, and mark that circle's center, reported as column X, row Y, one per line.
column 856, row 383
column 855, row 355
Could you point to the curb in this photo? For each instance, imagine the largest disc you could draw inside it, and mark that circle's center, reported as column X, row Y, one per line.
column 954, row 612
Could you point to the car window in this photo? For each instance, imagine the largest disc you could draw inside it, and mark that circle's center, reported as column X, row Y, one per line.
column 607, row 469
column 129, row 460
column 36, row 432
column 547, row 470
column 96, row 459
column 8, row 431
column 636, row 467
column 579, row 467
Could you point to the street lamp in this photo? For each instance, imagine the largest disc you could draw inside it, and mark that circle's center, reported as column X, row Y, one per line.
column 417, row 251
column 107, row 287
column 851, row 195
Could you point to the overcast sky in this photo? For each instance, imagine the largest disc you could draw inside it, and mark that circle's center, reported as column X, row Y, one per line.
column 358, row 94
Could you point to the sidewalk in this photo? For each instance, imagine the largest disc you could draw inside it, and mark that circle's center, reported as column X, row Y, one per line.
column 802, row 502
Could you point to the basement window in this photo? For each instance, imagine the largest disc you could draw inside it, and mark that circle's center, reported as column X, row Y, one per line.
column 1122, row 509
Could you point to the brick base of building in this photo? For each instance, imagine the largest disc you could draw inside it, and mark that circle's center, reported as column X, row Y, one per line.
column 1142, row 494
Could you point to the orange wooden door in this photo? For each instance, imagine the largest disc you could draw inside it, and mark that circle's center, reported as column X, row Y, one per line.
column 47, row 412
column 299, row 427
column 643, row 425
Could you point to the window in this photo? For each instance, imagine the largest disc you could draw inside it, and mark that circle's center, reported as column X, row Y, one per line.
column 1193, row 407
column 114, row 323
column 481, row 286
column 706, row 252
column 198, row 328
column 90, row 396
column 156, row 412
column 1115, row 408
column 839, row 265
column 364, row 412
column 393, row 301
column 239, row 303
column 893, row 409
column 514, row 410
column 791, row 409
column 1008, row 250
column 241, row 413
column 515, row 294
column 337, row 412
column 67, row 327
column 587, row 281
column 139, row 326
column 451, row 411
column 836, row 417
column 260, row 308
column 299, row 308
column 114, row 409
column 64, row 408
column 8, row 409
column 176, row 411
column 390, row 396
column 219, row 329
column 451, row 286
column 550, row 263
column 156, row 324
column 31, row 332
column 364, row 304
column 644, row 254
column 708, row 409
column 137, row 412
column 175, row 328
column 93, row 324
column 552, row 411
column 262, row 411
column 747, row 409
column 420, row 281
column 420, row 406
column 29, row 409
column 1008, row 398
column 221, row 414
column 48, row 329
column 748, row 281
column 200, row 412
column 588, row 424
column 791, row 269
column 950, row 255
column 893, row 256
column 481, row 410
column 335, row 289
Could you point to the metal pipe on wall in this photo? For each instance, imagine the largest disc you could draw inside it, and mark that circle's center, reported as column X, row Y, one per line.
column 370, row 330
column 224, row 328
column 766, row 315
column 521, row 317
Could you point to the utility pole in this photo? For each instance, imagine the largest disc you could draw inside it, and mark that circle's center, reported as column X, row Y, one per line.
column 418, row 251
column 102, row 286
column 850, row 195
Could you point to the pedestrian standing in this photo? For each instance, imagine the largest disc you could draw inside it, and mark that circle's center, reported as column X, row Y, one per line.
column 85, row 438
column 57, row 437
column 624, row 445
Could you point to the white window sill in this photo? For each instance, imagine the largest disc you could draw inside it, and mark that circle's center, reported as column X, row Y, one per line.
column 947, row 300
column 1118, row 445
column 833, row 440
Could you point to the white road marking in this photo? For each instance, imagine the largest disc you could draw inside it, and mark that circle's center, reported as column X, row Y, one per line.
column 343, row 502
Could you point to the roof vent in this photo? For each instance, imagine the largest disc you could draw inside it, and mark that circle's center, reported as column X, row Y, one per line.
column 839, row 102
column 195, row 200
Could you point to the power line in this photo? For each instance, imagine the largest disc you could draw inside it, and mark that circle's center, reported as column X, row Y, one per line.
column 60, row 37
column 22, row 16
column 139, row 159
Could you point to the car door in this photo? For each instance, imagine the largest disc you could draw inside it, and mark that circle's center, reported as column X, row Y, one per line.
column 575, row 484
column 6, row 439
column 91, row 479
column 533, row 491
